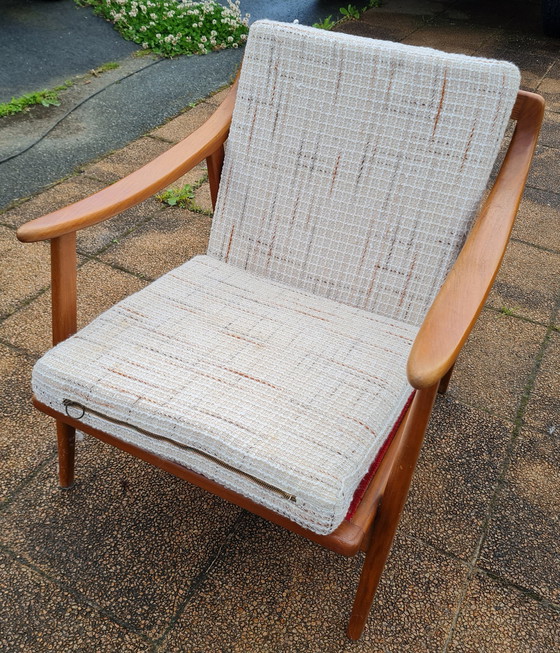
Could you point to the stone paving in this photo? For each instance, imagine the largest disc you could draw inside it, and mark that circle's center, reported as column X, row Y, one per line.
column 133, row 559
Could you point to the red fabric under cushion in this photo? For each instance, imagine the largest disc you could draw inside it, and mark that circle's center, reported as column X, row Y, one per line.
column 363, row 485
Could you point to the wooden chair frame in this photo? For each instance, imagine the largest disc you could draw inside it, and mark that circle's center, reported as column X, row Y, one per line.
column 437, row 345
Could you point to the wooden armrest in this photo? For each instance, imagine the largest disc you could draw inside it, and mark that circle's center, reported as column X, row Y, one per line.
column 139, row 185
column 462, row 296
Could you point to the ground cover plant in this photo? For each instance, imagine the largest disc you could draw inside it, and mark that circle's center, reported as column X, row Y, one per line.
column 348, row 13
column 173, row 27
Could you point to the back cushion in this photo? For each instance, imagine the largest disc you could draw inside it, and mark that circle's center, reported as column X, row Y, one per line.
column 354, row 167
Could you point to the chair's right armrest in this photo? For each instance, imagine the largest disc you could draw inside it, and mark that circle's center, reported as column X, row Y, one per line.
column 462, row 296
column 139, row 185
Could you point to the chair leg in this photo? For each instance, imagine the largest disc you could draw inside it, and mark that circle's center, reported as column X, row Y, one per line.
column 442, row 389
column 383, row 531
column 389, row 510
column 66, row 436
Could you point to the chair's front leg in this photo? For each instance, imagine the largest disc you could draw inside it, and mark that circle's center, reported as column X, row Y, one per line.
column 388, row 512
column 64, row 320
column 66, row 436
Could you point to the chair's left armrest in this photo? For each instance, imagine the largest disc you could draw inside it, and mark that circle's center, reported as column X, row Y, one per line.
column 139, row 185
column 462, row 296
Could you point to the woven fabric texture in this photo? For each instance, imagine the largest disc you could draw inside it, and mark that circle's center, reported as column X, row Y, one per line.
column 294, row 389
column 355, row 167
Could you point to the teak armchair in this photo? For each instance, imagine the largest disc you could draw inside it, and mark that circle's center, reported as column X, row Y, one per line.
column 344, row 258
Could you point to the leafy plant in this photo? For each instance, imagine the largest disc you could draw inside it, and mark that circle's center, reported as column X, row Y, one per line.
column 172, row 27
column 373, row 4
column 16, row 105
column 504, row 310
column 350, row 12
column 181, row 196
column 327, row 23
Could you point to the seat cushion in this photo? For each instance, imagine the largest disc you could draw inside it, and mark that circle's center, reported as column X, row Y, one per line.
column 278, row 394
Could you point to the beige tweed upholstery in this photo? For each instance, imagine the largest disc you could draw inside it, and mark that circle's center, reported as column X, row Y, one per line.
column 276, row 364
column 355, row 167
column 294, row 389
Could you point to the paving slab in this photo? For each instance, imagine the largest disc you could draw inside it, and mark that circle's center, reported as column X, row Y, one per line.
column 28, row 438
column 284, row 593
column 40, row 616
column 538, row 219
column 173, row 237
column 501, row 619
column 99, row 287
column 105, row 234
column 128, row 537
column 543, row 407
column 550, row 132
column 528, row 282
column 496, row 363
column 24, row 272
column 452, row 37
column 523, row 542
column 455, row 479
column 113, row 167
column 545, row 173
column 549, row 88
column 56, row 197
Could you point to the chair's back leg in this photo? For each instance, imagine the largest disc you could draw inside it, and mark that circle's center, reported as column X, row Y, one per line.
column 388, row 513
column 442, row 389
column 214, row 164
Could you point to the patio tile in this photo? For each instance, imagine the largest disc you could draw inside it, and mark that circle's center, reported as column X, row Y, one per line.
column 545, row 173
column 128, row 537
column 388, row 27
column 494, row 14
column 218, row 97
column 99, row 287
column 549, row 88
column 538, row 219
column 284, row 593
column 451, row 37
column 500, row 619
column 180, row 127
column 126, row 160
column 393, row 27
column 532, row 62
column 161, row 245
column 25, row 270
column 543, row 407
column 550, row 130
column 523, row 542
column 413, row 7
column 202, row 197
column 527, row 282
column 27, row 436
column 39, row 616
column 495, row 364
column 56, row 197
column 95, row 238
column 455, row 478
